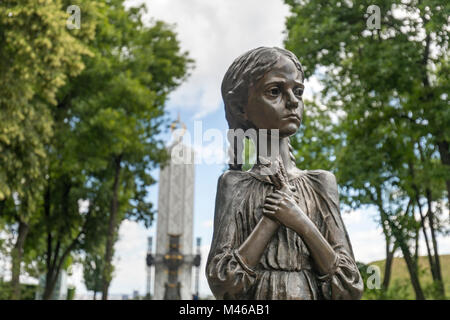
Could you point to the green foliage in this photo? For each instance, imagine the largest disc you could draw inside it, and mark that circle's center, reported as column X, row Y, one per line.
column 385, row 129
column 93, row 269
column 5, row 290
column 28, row 291
column 73, row 103
column 249, row 155
column 37, row 55
column 314, row 143
column 400, row 286
column 386, row 85
column 71, row 292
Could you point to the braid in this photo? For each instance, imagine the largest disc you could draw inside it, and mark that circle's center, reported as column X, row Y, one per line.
column 291, row 152
column 234, row 155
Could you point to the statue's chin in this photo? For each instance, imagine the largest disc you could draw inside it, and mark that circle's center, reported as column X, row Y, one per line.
column 286, row 131
column 289, row 130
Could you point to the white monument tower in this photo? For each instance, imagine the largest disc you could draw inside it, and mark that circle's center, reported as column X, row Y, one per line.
column 174, row 234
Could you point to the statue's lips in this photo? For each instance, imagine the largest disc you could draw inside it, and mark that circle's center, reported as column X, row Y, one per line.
column 292, row 117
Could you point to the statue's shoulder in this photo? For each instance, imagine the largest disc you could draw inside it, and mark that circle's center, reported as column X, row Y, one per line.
column 325, row 180
column 324, row 176
column 230, row 178
column 228, row 188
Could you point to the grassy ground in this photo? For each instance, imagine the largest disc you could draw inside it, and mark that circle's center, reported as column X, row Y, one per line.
column 400, row 285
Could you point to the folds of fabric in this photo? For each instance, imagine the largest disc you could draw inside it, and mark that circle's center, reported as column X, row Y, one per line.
column 286, row 269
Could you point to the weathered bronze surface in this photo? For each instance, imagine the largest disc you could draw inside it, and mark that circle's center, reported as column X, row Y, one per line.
column 278, row 236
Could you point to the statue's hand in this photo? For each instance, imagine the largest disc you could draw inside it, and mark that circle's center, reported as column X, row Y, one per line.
column 282, row 207
column 281, row 180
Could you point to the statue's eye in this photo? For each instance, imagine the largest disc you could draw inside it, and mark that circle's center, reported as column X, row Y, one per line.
column 298, row 91
column 274, row 91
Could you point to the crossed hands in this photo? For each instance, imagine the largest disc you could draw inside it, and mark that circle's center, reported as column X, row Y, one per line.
column 281, row 205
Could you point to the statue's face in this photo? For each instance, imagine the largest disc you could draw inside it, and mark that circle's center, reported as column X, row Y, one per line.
column 275, row 101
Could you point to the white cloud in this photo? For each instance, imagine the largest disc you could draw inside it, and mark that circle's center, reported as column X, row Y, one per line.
column 129, row 260
column 368, row 246
column 352, row 218
column 207, row 224
column 215, row 33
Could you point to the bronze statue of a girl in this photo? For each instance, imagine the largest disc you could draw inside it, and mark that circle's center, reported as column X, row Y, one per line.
column 278, row 236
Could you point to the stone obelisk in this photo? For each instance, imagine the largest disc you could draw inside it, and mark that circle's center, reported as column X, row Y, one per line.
column 174, row 233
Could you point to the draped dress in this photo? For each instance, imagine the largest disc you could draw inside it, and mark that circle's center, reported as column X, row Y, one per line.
column 286, row 269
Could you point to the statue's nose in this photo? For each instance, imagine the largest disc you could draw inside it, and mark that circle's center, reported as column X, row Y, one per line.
column 292, row 101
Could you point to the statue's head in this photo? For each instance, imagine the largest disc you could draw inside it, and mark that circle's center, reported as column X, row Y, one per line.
column 262, row 89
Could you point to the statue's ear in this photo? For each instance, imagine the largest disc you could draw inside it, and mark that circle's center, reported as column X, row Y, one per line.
column 240, row 112
column 244, row 114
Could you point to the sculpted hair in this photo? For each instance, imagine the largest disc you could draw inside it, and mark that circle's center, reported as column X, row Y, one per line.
column 243, row 73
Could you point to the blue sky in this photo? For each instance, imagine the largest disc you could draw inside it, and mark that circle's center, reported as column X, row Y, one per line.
column 215, row 33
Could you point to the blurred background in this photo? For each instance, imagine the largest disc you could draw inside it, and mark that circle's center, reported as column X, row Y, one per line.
column 89, row 89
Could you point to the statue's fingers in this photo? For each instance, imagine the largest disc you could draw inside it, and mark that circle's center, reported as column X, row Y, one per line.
column 286, row 196
column 274, row 195
column 275, row 201
column 281, row 193
column 270, row 207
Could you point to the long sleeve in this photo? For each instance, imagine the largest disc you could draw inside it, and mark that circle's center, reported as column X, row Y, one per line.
column 344, row 280
column 227, row 274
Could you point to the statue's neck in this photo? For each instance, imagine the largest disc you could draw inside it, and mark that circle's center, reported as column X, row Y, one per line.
column 274, row 148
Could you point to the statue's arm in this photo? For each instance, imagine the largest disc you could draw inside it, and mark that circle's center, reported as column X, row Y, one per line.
column 282, row 207
column 344, row 281
column 253, row 247
column 331, row 252
column 230, row 266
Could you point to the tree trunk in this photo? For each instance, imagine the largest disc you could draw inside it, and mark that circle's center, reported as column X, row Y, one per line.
column 412, row 267
column 95, row 295
column 412, row 272
column 50, row 283
column 427, row 242
column 111, row 230
column 388, row 265
column 437, row 264
column 433, row 257
column 385, row 224
column 51, row 276
column 402, row 243
column 389, row 252
column 445, row 159
column 17, row 254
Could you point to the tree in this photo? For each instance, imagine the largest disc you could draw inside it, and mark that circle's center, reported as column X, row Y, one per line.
column 117, row 106
column 93, row 140
column 93, row 271
column 36, row 56
column 388, row 88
